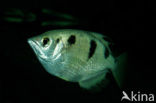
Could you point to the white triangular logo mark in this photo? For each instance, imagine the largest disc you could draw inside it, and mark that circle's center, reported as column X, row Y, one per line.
column 125, row 96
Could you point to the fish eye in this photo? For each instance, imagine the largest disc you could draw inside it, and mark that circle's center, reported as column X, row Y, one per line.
column 45, row 41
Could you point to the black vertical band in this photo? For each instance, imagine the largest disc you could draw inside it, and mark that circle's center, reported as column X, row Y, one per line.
column 92, row 48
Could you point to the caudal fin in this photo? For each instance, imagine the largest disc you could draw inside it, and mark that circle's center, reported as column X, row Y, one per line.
column 119, row 71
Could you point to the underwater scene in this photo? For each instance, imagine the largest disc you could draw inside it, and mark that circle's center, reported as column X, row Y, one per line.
column 77, row 51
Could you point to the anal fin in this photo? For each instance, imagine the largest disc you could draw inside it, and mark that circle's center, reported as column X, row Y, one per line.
column 96, row 80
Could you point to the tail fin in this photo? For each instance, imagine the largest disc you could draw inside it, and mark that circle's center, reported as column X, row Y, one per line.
column 119, row 71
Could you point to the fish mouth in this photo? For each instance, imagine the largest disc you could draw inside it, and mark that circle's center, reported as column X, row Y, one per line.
column 36, row 48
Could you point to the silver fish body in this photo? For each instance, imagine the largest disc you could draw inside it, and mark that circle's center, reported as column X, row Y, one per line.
column 74, row 55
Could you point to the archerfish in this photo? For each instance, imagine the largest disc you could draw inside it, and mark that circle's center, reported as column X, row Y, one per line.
column 76, row 56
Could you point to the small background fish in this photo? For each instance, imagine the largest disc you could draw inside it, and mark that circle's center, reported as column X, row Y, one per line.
column 23, row 79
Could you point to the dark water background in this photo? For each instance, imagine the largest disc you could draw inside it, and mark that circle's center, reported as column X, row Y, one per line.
column 130, row 25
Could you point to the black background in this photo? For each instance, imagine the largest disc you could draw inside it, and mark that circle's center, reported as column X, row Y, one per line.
column 131, row 25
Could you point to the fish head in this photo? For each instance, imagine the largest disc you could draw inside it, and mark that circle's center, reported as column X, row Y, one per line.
column 51, row 50
column 41, row 45
column 48, row 49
